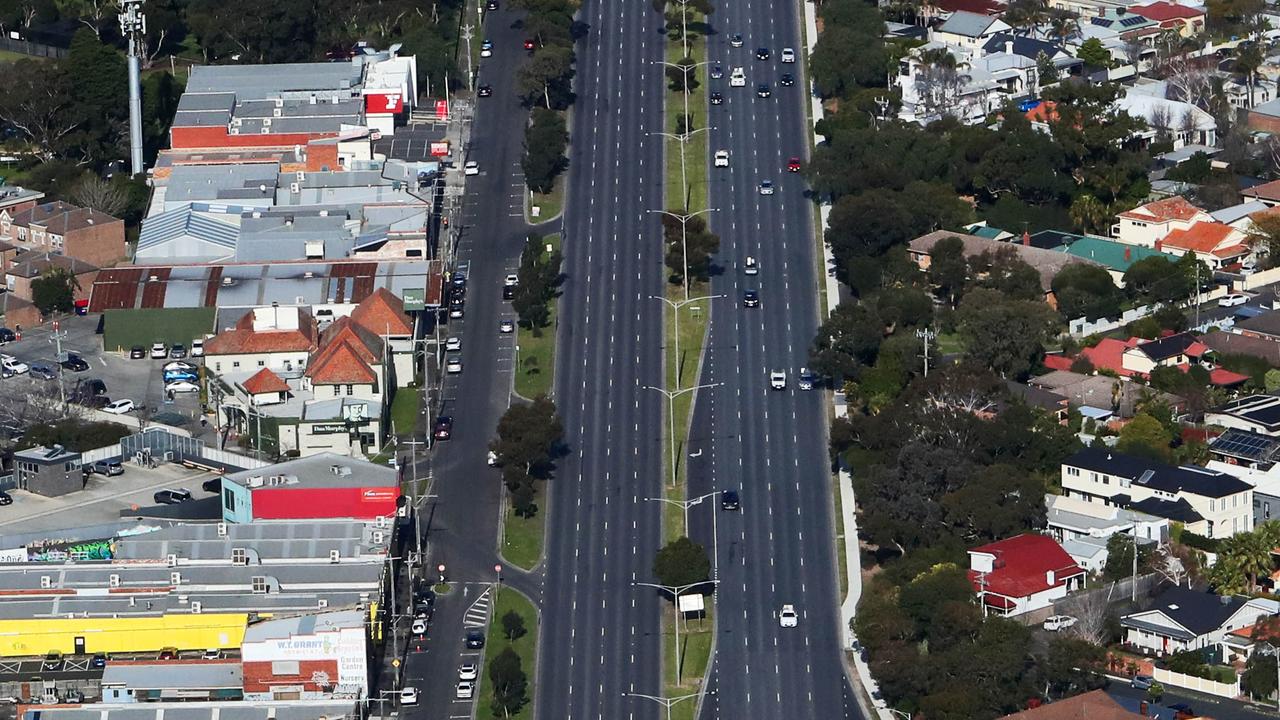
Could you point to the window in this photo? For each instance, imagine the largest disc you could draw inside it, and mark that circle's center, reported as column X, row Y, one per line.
column 1073, row 471
column 1106, row 479
column 284, row 667
column 348, row 389
column 262, row 363
column 235, row 364
column 260, row 584
column 335, row 391
column 228, row 499
column 217, row 367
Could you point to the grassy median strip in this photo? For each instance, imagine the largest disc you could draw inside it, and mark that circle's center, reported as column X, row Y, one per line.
column 525, row 646
column 535, row 374
column 522, row 538
column 549, row 205
column 696, row 636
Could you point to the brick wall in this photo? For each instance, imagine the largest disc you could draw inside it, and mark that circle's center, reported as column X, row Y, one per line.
column 101, row 244
column 258, row 677
column 1264, row 123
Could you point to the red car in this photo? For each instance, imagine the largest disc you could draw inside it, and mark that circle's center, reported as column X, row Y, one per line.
column 528, row 45
column 793, row 165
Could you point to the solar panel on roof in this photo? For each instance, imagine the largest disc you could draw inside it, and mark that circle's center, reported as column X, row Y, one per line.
column 1242, row 444
column 1131, row 21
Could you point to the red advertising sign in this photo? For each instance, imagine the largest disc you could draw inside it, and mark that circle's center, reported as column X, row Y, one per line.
column 439, row 149
column 378, row 494
column 384, row 103
column 442, row 109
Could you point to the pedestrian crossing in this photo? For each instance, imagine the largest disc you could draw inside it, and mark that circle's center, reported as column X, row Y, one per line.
column 478, row 614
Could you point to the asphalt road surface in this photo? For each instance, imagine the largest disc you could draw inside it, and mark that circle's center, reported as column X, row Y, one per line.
column 599, row 634
column 768, row 444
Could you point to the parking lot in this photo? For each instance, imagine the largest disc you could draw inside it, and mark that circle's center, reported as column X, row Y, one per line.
column 138, row 380
column 102, row 500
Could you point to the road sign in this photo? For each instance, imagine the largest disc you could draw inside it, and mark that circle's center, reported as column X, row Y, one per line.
column 395, row 663
column 497, row 568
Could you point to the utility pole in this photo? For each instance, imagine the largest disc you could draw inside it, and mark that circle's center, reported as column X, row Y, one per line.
column 467, row 34
column 1133, row 579
column 413, row 462
column 926, row 334
column 133, row 25
column 56, row 337
column 684, row 219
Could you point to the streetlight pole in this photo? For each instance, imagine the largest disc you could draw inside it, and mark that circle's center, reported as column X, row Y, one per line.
column 665, row 702
column 685, row 505
column 671, row 396
column 675, row 309
column 684, row 70
column 684, row 219
column 682, row 138
column 675, row 592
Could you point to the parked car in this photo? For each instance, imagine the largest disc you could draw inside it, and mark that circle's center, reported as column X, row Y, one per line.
column 110, row 468
column 419, row 626
column 211, row 654
column 443, row 428
column 5, row 498
column 137, row 352
column 453, row 364
column 465, row 690
column 181, row 386
column 52, row 661
column 170, row 496
column 98, row 661
column 197, row 348
column 74, row 363
column 181, row 366
column 475, row 639
column 159, row 351
column 119, row 407
column 212, row 485
column 13, row 364
column 468, row 671
column 1141, row 682
column 1232, row 300
column 7, row 336
column 409, row 695
column 44, row 371
column 1054, row 623
column 506, row 326
column 178, row 351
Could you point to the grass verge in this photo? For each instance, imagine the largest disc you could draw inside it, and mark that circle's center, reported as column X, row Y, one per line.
column 536, row 358
column 696, row 159
column 522, row 538
column 526, row 646
column 682, row 372
column 549, row 205
column 404, row 410
column 695, row 653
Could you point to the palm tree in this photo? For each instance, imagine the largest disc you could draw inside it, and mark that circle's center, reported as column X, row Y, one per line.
column 1247, row 556
column 1088, row 213
column 1063, row 26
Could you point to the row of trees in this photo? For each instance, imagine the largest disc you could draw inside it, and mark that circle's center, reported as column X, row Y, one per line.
column 545, row 83
column 540, row 278
column 527, row 446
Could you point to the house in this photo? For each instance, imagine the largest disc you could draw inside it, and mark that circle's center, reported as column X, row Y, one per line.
column 1170, row 351
column 29, row 266
column 1184, row 123
column 1265, row 117
column 1265, row 326
column 968, row 30
column 1183, row 619
column 1146, row 224
column 1229, row 343
column 265, row 388
column 57, row 227
column 1115, row 256
column 1022, row 574
column 1083, row 528
column 17, row 313
column 1093, row 705
column 321, row 486
column 1206, row 502
column 277, row 338
column 1215, row 244
column 1186, row 20
column 193, row 681
column 1239, row 215
column 945, row 8
column 1258, row 413
column 1032, row 49
column 14, row 199
column 48, row 471
column 969, row 95
column 1239, row 645
column 1055, row 404
column 1099, row 391
column 1267, row 193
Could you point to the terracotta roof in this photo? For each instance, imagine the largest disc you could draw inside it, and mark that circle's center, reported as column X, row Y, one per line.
column 1046, row 262
column 1046, row 111
column 245, row 340
column 345, row 329
column 265, row 381
column 1023, row 564
column 1095, row 705
column 382, row 313
column 1265, row 629
column 1205, row 238
column 1161, row 11
column 1108, row 354
column 60, row 217
column 1173, row 208
column 340, row 364
column 1265, row 191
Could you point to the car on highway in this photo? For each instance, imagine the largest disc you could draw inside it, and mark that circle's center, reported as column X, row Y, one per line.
column 763, row 91
column 181, row 386
column 465, row 690
column 110, row 468
column 511, row 280
column 137, row 352
column 762, row 53
column 475, row 639
column 778, row 380
column 419, row 626
column 787, row 80
column 1232, row 300
column 735, row 40
column 805, row 379
column 717, row 72
column 738, row 78
column 44, row 371
column 787, row 617
column 528, row 45
column 793, row 165
column 788, row 55
column 468, row 671
column 409, row 695
column 751, row 267
column 453, row 364
column 5, row 498
column 171, row 496
column 486, row 49
column 178, row 351
column 1054, row 623
column 729, row 501
column 453, row 344
column 13, row 365
column 443, row 428
column 1141, row 682
column 750, row 298
column 717, row 98
column 74, row 363
column 766, row 187
column 491, row 6
column 119, row 407
column 506, row 326
column 484, row 91
column 722, row 158
column 159, row 351
column 471, row 168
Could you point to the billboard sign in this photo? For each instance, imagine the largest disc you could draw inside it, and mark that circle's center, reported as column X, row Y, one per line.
column 383, row 103
column 439, row 149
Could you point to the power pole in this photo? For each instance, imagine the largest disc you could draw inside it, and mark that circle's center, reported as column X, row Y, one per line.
column 56, row 338
column 1133, row 578
column 926, row 335
column 133, row 25
column 1195, row 293
column 467, row 34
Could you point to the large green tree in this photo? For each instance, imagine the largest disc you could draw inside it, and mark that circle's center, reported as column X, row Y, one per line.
column 682, row 562
column 1005, row 335
column 545, row 140
column 1086, row 291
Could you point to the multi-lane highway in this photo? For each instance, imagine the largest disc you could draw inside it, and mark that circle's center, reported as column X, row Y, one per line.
column 769, row 444
column 600, row 635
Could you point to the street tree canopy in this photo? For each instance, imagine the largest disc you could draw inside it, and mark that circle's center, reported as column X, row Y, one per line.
column 682, row 562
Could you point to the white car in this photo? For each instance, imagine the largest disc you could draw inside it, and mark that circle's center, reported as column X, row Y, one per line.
column 788, row 55
column 511, row 280
column 159, row 351
column 1054, row 623
column 471, row 168
column 180, row 366
column 453, row 344
column 181, row 386
column 766, row 187
column 419, row 627
column 453, row 365
column 197, row 348
column 506, row 326
column 492, row 459
column 119, row 407
column 14, row 365
column 787, row 618
column 468, row 671
column 465, row 689
column 722, row 158
column 1232, row 300
column 778, row 380
column 751, row 267
column 486, row 49
column 738, row 78
column 409, row 696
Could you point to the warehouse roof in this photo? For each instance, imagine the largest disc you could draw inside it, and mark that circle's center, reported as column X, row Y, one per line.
column 324, row 470
column 174, row 675
column 266, row 541
column 229, row 710
column 304, row 625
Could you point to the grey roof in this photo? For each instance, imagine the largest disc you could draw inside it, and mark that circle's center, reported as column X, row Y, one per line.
column 250, row 82
column 1228, row 215
column 216, row 710
column 304, row 625
column 266, row 541
column 279, row 236
column 1270, row 108
column 967, row 24
column 209, row 674
column 242, row 182
column 189, row 234
column 1197, row 611
column 1085, row 546
column 1268, row 323
column 324, row 470
column 1165, row 478
column 1261, row 410
column 47, row 456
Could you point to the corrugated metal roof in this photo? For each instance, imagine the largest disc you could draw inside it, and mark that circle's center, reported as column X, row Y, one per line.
column 229, row 710
column 174, row 675
column 304, row 625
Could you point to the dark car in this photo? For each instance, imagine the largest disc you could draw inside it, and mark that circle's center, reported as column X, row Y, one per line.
column 171, row 497
column 178, row 351
column 212, row 485
column 443, row 428
column 7, row 335
column 750, row 298
column 491, row 5
column 762, row 53
column 137, row 352
column 717, row 72
column 763, row 91
column 716, row 98
column 787, row 80
column 475, row 639
column 109, row 468
column 97, row 662
column 508, row 292
column 484, row 90
column 169, row 653
column 5, row 498
column 52, row 661
column 729, row 500
column 43, row 371
column 86, row 390
column 74, row 363
column 459, row 278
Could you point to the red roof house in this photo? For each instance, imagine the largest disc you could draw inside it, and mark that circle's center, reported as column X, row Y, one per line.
column 1172, row 16
column 266, row 388
column 1022, row 574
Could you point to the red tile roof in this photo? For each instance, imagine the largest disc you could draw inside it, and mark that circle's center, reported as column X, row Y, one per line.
column 245, row 340
column 1058, row 361
column 1204, row 238
column 1173, row 208
column 1225, row 378
column 1095, row 705
column 340, row 364
column 382, row 313
column 1108, row 354
column 1265, row 191
column 1161, row 11
column 265, row 381
column 1022, row 566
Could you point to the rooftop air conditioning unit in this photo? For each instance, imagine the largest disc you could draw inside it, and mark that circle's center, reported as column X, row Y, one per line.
column 222, row 529
column 255, row 481
column 153, row 278
column 377, row 537
column 46, row 582
column 235, row 130
column 113, row 580
column 236, row 122
column 322, row 602
column 279, row 102
column 182, row 599
column 228, row 281
column 266, row 130
column 175, row 578
column 239, row 556
column 195, row 608
column 172, row 560
column 302, row 175
column 293, row 188
column 275, row 112
column 334, row 556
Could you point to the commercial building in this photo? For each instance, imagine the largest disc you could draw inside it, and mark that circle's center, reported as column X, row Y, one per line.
column 126, row 681
column 188, row 710
column 48, row 471
column 308, row 657
column 325, row 486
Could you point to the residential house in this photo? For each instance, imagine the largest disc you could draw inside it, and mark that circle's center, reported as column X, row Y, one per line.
column 1240, row 93
column 1136, row 357
column 1207, row 503
column 1100, row 391
column 1186, row 20
column 1258, row 413
column 1265, row 117
column 265, row 388
column 945, row 8
column 968, row 94
column 1115, row 256
column 1267, row 193
column 1265, row 326
column 1183, row 619
column 29, row 266
column 1094, row 705
column 1032, row 48
column 57, row 227
column 1215, row 244
column 1240, row 215
column 1253, row 457
column 1022, row 574
column 969, row 30
column 1071, row 518
column 1055, row 404
column 1239, row 645
column 1149, row 223
column 1230, row 343
column 278, row 338
column 1182, row 122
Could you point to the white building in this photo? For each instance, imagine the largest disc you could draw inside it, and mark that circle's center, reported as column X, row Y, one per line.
column 307, row 657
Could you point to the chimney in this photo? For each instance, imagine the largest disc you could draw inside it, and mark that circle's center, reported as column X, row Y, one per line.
column 1049, row 577
column 1128, row 254
column 1159, row 246
column 1026, row 238
column 1008, row 47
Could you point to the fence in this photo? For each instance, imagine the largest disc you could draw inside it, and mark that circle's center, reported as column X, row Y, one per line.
column 107, row 452
column 8, row 482
column 1258, row 279
column 161, row 444
column 1115, row 591
column 1168, row 678
column 1081, row 327
column 34, row 49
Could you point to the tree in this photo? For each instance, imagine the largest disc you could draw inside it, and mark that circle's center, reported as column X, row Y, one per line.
column 1004, row 271
column 1120, row 557
column 510, row 684
column 1086, row 291
column 1005, row 335
column 1259, row 678
column 681, row 562
column 528, row 436
column 850, row 337
column 1145, row 436
column 539, row 276
column 40, row 105
column 948, row 268
column 547, row 77
column 1093, row 54
column 54, row 291
column 101, row 195
column 545, row 140
column 513, row 625
column 1098, row 144
column 1088, row 213
column 1073, row 666
column 939, row 81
